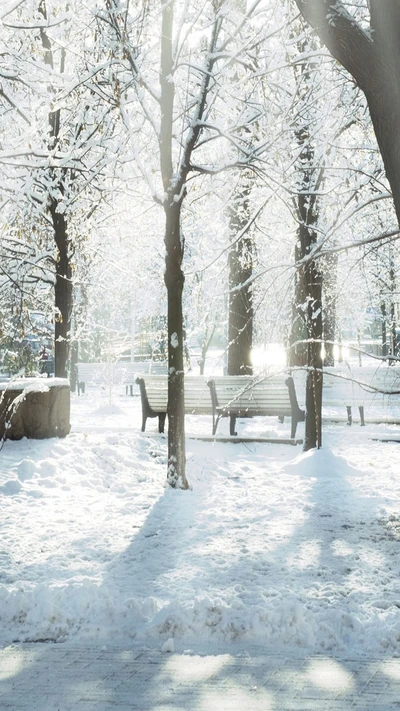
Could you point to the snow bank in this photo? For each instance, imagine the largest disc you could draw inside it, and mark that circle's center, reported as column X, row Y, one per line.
column 271, row 546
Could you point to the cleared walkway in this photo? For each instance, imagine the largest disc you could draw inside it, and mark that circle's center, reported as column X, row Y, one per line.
column 64, row 677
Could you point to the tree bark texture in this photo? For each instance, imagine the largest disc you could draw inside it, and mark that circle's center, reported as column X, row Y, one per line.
column 384, row 329
column 63, row 276
column 308, row 292
column 298, row 352
column 74, row 357
column 329, row 307
column 311, row 280
column 306, row 206
column 313, row 426
column 240, row 266
column 174, row 281
column 63, row 293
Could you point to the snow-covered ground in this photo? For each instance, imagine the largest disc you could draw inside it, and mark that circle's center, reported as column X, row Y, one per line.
column 271, row 545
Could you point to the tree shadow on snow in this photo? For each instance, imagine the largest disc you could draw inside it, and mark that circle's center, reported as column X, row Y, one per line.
column 326, row 554
column 87, row 677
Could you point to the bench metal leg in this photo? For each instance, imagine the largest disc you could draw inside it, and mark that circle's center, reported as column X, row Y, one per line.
column 161, row 422
column 361, row 411
column 215, row 424
column 144, row 420
column 349, row 415
column 232, row 423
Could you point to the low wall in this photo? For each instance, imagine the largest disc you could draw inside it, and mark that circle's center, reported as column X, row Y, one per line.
column 36, row 408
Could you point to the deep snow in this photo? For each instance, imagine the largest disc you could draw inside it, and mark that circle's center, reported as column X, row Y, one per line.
column 270, row 546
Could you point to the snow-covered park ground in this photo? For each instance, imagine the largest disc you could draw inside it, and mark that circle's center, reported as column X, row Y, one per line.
column 271, row 546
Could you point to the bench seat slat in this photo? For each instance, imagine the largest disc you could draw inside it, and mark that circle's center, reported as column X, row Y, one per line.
column 357, row 386
column 247, row 396
column 154, row 396
column 238, row 396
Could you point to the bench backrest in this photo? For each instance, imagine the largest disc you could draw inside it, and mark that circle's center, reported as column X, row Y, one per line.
column 156, row 391
column 355, row 385
column 380, row 377
column 158, row 367
column 117, row 372
column 361, row 384
column 96, row 373
column 253, row 394
column 338, row 387
column 197, row 394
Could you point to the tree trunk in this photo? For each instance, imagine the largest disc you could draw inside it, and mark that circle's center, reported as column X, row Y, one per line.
column 174, row 281
column 313, row 427
column 298, row 351
column 240, row 265
column 174, row 248
column 392, row 290
column 63, row 283
column 208, row 336
column 306, row 330
column 309, row 289
column 385, row 115
column 74, row 351
column 384, row 329
column 63, row 294
column 329, row 310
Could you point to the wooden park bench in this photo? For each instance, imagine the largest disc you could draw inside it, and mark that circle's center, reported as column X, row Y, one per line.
column 370, row 389
column 154, row 397
column 149, row 367
column 251, row 396
column 95, row 374
column 365, row 387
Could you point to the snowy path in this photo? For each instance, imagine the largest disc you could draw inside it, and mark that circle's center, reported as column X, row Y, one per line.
column 115, row 677
column 271, row 546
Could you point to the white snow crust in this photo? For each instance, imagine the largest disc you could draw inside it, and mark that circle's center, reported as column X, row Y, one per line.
column 271, row 546
column 39, row 384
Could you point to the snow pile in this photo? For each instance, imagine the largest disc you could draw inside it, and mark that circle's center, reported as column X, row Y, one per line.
column 270, row 546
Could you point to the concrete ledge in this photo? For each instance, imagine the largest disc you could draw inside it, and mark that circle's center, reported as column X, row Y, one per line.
column 36, row 408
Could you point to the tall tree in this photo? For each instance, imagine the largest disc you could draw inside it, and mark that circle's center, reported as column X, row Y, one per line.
column 63, row 265
column 173, row 103
column 306, row 336
column 60, row 157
